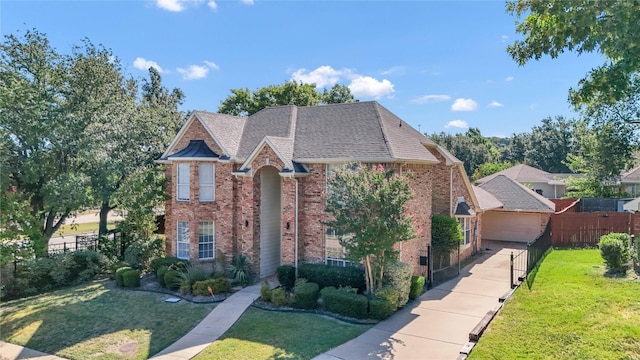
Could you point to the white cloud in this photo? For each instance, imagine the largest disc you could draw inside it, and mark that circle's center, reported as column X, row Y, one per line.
column 509, row 78
column 431, row 98
column 322, row 76
column 495, row 104
column 393, row 70
column 457, row 124
column 212, row 5
column 461, row 104
column 180, row 5
column 504, row 38
column 367, row 86
column 212, row 65
column 144, row 64
column 247, row 2
column 194, row 72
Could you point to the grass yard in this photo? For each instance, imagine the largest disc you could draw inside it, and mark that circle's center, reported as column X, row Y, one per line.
column 99, row 321
column 573, row 311
column 261, row 334
column 84, row 228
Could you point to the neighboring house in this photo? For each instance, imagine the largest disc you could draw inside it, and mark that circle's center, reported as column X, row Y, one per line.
column 512, row 212
column 547, row 184
column 631, row 182
column 254, row 185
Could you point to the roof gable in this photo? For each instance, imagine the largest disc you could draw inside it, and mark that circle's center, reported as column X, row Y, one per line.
column 633, row 176
column 515, row 196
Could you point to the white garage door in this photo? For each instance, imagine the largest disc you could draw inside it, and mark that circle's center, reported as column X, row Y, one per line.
column 511, row 226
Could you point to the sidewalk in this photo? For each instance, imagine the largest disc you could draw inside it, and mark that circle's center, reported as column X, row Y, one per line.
column 13, row 352
column 437, row 326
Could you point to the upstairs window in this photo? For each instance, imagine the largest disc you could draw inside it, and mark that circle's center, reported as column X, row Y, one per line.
column 206, row 180
column 184, row 178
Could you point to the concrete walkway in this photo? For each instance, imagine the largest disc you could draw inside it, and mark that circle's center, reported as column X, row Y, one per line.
column 12, row 352
column 437, row 326
column 211, row 327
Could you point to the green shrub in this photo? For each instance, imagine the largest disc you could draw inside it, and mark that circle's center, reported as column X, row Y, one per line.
column 614, row 249
column 220, row 264
column 140, row 251
column 397, row 274
column 286, row 276
column 160, row 275
column 345, row 303
column 217, row 285
column 337, row 276
column 131, row 278
column 446, row 236
column 637, row 246
column 189, row 275
column 390, row 294
column 240, row 270
column 278, row 297
column 115, row 266
column 172, row 279
column 380, row 309
column 417, row 285
column 305, row 296
column 265, row 292
column 158, row 262
column 119, row 274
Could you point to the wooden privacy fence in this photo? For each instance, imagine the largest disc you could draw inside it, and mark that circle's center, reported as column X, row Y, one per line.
column 585, row 229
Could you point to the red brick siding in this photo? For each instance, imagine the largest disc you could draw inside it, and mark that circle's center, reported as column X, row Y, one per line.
column 197, row 132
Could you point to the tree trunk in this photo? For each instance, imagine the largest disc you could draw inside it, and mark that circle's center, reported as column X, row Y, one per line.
column 104, row 213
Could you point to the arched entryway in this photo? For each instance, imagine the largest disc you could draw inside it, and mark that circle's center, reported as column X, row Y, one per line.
column 270, row 220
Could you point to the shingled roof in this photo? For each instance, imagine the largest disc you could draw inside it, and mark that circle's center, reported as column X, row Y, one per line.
column 515, row 196
column 361, row 131
column 633, row 176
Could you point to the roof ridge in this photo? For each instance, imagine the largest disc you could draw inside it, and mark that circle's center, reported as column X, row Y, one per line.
column 385, row 136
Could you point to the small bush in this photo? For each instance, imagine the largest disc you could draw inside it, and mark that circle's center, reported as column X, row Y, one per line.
column 160, row 275
column 380, row 309
column 119, row 274
column 390, row 294
column 278, row 297
column 397, row 274
column 286, row 276
column 306, row 296
column 189, row 275
column 140, row 251
column 417, row 285
column 637, row 246
column 265, row 292
column 345, row 303
column 159, row 262
column 131, row 278
column 614, row 249
column 337, row 276
column 240, row 270
column 172, row 279
column 217, row 285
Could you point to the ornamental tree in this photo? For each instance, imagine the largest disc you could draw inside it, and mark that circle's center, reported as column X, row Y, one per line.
column 368, row 207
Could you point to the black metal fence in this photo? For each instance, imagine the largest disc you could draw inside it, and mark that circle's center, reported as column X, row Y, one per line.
column 523, row 264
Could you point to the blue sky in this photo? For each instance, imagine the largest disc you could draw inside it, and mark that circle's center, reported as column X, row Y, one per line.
column 440, row 66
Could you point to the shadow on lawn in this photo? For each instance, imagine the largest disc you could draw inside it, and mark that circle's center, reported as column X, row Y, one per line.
column 91, row 314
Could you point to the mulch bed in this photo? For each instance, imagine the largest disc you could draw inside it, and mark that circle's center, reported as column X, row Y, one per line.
column 149, row 282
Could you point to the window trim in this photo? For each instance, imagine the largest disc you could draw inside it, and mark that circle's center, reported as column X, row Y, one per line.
column 212, row 185
column 180, row 182
column 212, row 242
column 182, row 238
column 465, row 225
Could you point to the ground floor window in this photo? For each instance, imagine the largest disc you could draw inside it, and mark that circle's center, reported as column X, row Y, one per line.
column 182, row 250
column 335, row 254
column 465, row 225
column 205, row 240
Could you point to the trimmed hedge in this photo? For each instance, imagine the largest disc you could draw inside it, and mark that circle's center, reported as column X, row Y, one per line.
column 286, row 276
column 380, row 309
column 157, row 263
column 614, row 249
column 218, row 286
column 397, row 274
column 160, row 275
column 265, row 292
column 305, row 296
column 345, row 302
column 131, row 278
column 278, row 297
column 336, row 276
column 120, row 273
column 172, row 279
column 417, row 285
column 390, row 294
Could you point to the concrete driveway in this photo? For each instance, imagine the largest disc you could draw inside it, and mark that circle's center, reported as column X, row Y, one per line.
column 438, row 325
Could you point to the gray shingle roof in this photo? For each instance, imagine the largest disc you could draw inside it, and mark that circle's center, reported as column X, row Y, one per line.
column 486, row 201
column 633, row 176
column 227, row 129
column 515, row 196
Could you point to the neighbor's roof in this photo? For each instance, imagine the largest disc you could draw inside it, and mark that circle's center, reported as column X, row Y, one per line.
column 486, row 201
column 528, row 174
column 633, row 176
column 361, row 131
column 515, row 196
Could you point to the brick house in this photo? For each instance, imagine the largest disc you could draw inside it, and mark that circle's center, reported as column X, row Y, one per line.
column 253, row 185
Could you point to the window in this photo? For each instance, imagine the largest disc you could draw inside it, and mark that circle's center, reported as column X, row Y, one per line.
column 207, row 181
column 183, row 181
column 205, row 240
column 465, row 225
column 335, row 253
column 182, row 250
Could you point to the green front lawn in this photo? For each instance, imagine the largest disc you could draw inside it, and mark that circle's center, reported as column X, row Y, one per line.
column 84, row 228
column 573, row 311
column 261, row 334
column 99, row 321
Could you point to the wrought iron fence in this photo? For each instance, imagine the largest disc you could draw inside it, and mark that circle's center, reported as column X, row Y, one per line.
column 523, row 264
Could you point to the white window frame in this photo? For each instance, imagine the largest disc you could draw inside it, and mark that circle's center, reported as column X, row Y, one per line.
column 182, row 240
column 207, row 240
column 209, row 185
column 465, row 225
column 183, row 182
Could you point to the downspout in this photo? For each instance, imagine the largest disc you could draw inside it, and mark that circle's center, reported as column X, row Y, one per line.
column 295, row 260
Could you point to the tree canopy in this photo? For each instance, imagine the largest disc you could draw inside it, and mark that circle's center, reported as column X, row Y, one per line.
column 471, row 148
column 611, row 28
column 243, row 102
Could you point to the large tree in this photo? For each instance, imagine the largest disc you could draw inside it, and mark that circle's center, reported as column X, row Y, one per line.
column 368, row 211
column 471, row 148
column 610, row 28
column 550, row 143
column 243, row 102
